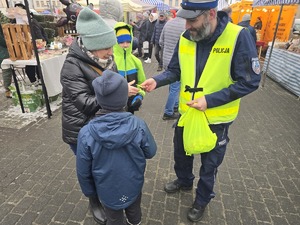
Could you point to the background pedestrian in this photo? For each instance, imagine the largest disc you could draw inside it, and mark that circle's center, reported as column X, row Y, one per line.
column 168, row 40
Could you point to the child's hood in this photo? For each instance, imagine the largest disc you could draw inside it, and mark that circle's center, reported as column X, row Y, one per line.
column 114, row 130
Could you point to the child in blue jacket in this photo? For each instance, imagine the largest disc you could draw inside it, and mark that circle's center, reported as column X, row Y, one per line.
column 111, row 152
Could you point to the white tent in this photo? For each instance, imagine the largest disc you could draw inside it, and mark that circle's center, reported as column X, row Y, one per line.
column 135, row 6
column 222, row 4
column 161, row 6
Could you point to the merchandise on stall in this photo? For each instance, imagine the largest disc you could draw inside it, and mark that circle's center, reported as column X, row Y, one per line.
column 294, row 43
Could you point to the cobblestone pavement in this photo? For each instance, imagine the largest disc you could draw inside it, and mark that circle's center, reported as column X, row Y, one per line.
column 257, row 184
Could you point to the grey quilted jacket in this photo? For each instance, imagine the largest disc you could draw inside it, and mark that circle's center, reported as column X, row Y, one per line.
column 169, row 38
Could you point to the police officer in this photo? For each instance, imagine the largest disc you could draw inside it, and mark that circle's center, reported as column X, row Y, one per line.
column 221, row 58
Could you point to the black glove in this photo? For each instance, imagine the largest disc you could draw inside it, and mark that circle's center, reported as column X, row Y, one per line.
column 135, row 103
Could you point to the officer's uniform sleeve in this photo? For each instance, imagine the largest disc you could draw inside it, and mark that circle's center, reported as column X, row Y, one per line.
column 172, row 74
column 245, row 72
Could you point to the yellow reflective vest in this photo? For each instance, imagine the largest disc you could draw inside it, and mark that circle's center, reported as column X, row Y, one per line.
column 215, row 76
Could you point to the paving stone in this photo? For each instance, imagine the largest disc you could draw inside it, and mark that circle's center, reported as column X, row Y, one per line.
column 64, row 213
column 257, row 183
column 11, row 218
column 277, row 220
column 46, row 216
column 261, row 211
column 80, row 211
column 23, row 205
column 27, row 218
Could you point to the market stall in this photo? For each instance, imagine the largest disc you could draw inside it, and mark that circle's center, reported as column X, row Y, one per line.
column 14, row 40
column 51, row 63
column 268, row 14
column 240, row 8
column 135, row 6
column 25, row 49
column 160, row 5
column 284, row 68
column 287, row 55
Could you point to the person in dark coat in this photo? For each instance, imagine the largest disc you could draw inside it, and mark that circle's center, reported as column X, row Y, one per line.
column 112, row 152
column 258, row 24
column 6, row 72
column 228, row 10
column 142, row 32
column 246, row 23
column 159, row 25
column 136, row 32
column 146, row 35
column 168, row 40
column 39, row 33
column 89, row 55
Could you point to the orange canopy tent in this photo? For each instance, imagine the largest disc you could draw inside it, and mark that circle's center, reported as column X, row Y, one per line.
column 279, row 26
column 269, row 16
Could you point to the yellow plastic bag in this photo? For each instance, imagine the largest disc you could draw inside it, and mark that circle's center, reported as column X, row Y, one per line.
column 197, row 136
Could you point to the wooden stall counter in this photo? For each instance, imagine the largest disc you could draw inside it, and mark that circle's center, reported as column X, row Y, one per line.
column 51, row 64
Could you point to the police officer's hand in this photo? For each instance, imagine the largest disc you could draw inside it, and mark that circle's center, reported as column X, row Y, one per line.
column 131, row 89
column 148, row 85
column 199, row 103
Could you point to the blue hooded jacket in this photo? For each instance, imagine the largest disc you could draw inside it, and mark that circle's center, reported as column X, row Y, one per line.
column 111, row 158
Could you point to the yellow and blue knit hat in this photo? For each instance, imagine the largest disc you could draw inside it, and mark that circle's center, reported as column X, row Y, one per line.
column 123, row 35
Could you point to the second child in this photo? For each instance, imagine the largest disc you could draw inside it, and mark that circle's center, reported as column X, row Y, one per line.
column 129, row 66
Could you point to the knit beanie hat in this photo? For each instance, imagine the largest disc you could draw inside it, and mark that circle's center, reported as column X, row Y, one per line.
column 123, row 35
column 246, row 17
column 94, row 31
column 161, row 13
column 111, row 91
